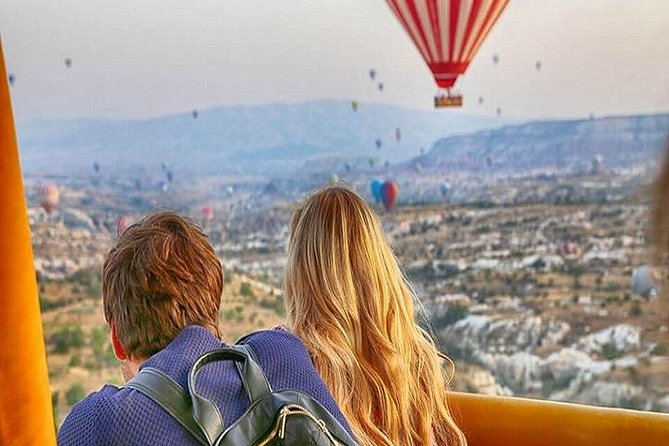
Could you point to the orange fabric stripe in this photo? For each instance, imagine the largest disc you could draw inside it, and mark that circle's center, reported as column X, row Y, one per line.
column 26, row 417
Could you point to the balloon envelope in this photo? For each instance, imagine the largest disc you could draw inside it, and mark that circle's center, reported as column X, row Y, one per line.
column 447, row 33
column 354, row 105
column 48, row 197
column 376, row 190
column 122, row 222
column 645, row 281
column 389, row 192
column 207, row 214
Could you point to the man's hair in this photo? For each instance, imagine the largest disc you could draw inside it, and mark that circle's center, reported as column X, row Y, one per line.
column 161, row 276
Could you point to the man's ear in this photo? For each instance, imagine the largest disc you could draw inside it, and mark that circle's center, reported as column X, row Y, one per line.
column 119, row 351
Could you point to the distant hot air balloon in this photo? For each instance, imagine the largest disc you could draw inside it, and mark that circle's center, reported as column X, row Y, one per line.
column 380, row 86
column 372, row 162
column 386, row 164
column 48, row 197
column 122, row 222
column 347, row 167
column 372, row 74
column 68, row 62
column 164, row 186
column 489, row 160
column 169, row 175
column 96, row 166
column 480, row 100
column 645, row 281
column 389, row 192
column 499, row 111
column 447, row 34
column 597, row 165
column 207, row 215
column 195, row 114
column 537, row 65
column 378, row 143
column 398, row 134
column 11, row 79
column 495, row 59
column 375, row 186
column 418, row 168
column 354, row 105
column 445, row 188
column 164, row 165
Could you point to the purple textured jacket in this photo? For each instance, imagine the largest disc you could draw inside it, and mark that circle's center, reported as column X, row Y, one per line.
column 123, row 416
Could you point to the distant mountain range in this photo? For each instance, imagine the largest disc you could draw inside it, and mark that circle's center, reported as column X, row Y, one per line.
column 269, row 139
column 568, row 145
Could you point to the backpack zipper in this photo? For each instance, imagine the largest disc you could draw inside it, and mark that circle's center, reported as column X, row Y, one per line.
column 279, row 429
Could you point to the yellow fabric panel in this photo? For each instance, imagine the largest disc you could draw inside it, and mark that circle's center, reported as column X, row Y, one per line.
column 497, row 421
column 25, row 399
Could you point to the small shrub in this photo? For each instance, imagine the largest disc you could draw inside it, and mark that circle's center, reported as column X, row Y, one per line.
column 75, row 394
column 75, row 361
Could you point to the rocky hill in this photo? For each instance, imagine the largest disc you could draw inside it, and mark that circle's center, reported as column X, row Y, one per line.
column 573, row 145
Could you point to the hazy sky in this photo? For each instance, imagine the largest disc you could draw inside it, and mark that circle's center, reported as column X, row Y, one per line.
column 141, row 58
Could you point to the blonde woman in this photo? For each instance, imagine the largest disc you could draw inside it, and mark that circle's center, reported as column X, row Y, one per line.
column 349, row 302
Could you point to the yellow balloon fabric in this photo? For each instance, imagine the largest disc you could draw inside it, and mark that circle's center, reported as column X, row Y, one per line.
column 502, row 421
column 26, row 416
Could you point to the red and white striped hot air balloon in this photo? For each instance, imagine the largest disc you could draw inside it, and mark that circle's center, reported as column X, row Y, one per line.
column 48, row 197
column 447, row 33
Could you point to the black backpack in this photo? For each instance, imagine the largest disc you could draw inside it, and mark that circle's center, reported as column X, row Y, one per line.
column 288, row 417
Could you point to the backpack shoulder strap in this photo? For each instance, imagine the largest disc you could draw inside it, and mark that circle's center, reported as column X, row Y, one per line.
column 169, row 395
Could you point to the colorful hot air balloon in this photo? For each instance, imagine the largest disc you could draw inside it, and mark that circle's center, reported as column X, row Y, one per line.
column 398, row 134
column 207, row 215
column 354, row 105
column 122, row 222
column 376, row 185
column 447, row 34
column 48, row 197
column 389, row 192
column 372, row 74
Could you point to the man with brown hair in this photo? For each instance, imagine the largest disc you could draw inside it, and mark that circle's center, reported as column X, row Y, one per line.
column 161, row 289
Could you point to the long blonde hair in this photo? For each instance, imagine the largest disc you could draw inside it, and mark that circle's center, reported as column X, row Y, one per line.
column 348, row 300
